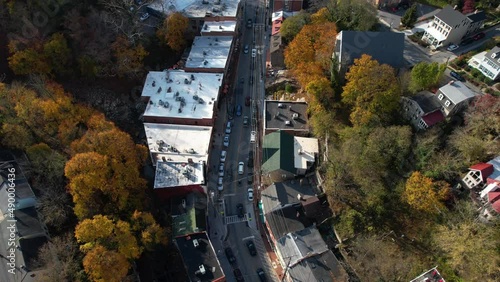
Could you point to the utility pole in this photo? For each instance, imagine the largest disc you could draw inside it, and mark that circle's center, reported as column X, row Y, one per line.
column 286, row 269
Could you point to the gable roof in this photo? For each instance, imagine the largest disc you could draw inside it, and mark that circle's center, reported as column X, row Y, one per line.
column 450, row 16
column 321, row 268
column 284, row 193
column 457, row 92
column 496, row 60
column 385, row 47
column 485, row 169
column 494, row 199
column 284, row 220
column 277, row 152
column 427, row 101
column 495, row 174
column 301, row 244
column 477, row 16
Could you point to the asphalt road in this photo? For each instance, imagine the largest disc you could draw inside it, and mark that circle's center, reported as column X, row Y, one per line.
column 248, row 82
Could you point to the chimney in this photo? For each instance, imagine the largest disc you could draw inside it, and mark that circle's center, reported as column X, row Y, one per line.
column 455, row 7
column 451, row 82
column 476, row 11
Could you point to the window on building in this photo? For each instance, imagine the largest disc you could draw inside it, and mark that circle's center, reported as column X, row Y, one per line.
column 440, row 96
column 447, row 103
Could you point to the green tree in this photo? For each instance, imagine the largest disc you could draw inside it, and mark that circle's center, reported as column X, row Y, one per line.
column 353, row 15
column 293, row 25
column 58, row 54
column 47, row 163
column 426, row 195
column 372, row 91
column 129, row 58
column 29, row 61
column 410, row 17
column 469, row 246
column 322, row 92
column 426, row 75
column 478, row 140
column 173, row 31
column 15, row 136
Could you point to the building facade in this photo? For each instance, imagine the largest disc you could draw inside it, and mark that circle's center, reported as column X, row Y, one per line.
column 488, row 63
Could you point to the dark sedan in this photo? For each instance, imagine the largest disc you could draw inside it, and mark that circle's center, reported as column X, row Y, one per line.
column 456, row 76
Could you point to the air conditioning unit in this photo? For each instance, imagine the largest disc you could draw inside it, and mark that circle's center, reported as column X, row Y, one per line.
column 196, row 243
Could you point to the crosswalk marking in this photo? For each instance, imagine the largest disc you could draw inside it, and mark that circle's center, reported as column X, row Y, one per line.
column 234, row 219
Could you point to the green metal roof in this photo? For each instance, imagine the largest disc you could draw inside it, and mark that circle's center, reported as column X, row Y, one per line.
column 190, row 222
column 277, row 152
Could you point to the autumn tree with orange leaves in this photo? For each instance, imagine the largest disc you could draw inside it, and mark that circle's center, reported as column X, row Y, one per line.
column 373, row 92
column 173, row 31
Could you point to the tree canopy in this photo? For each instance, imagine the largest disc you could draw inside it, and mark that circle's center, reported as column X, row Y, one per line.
column 426, row 195
column 173, row 31
column 426, row 75
column 372, row 91
column 293, row 25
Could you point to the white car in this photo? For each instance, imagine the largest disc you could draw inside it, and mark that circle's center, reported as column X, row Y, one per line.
column 226, row 141
column 221, row 169
column 228, row 128
column 253, row 136
column 241, row 167
column 223, row 156
column 452, row 47
column 254, row 53
column 245, row 50
column 250, row 194
column 144, row 17
column 220, row 187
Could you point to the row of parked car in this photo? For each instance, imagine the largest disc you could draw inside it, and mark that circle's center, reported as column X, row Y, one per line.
column 232, row 260
column 466, row 41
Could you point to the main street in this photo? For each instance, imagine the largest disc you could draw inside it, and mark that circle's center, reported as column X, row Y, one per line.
column 227, row 229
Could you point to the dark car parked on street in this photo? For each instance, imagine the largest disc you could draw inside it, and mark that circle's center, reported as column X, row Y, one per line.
column 251, row 248
column 241, row 212
column 456, row 76
column 238, row 275
column 230, row 255
column 467, row 41
column 261, row 274
column 479, row 36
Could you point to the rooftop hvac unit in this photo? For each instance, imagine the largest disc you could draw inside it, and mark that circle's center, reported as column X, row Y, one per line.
column 169, row 90
column 288, row 122
column 195, row 97
column 200, row 101
column 160, row 102
column 216, row 39
column 166, row 104
column 154, row 83
column 205, row 27
column 280, row 105
column 192, row 76
column 159, row 90
column 205, row 62
column 196, row 244
column 220, row 27
column 295, row 116
column 202, row 269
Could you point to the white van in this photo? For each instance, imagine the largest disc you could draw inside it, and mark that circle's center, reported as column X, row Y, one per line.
column 223, row 156
column 253, row 135
column 241, row 167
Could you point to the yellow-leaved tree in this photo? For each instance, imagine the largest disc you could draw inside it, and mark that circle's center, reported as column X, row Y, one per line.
column 103, row 265
column 426, row 195
column 372, row 91
column 173, row 31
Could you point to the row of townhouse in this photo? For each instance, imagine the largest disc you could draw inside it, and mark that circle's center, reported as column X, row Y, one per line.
column 181, row 109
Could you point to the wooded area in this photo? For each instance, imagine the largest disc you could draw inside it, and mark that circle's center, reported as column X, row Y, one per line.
column 389, row 186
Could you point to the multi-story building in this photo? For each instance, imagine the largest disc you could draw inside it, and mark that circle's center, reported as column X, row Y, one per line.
column 198, row 11
column 423, row 110
column 454, row 97
column 219, row 28
column 179, row 97
column 384, row 47
column 200, row 258
column 290, row 117
column 210, row 54
column 287, row 5
column 451, row 26
column 488, row 63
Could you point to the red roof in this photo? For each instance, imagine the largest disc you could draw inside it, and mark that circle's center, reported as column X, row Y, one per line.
column 485, row 169
column 433, row 118
column 493, row 196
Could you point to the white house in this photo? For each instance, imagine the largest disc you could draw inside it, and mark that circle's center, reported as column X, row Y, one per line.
column 488, row 63
column 454, row 97
column 451, row 26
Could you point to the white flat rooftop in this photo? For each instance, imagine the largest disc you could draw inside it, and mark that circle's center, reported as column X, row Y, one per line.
column 222, row 26
column 174, row 174
column 179, row 94
column 209, row 52
column 197, row 8
column 305, row 150
column 178, row 143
